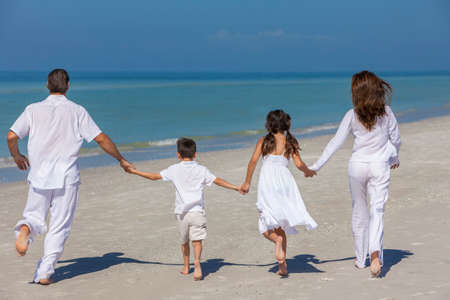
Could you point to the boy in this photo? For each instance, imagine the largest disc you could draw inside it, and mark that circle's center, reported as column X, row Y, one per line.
column 189, row 178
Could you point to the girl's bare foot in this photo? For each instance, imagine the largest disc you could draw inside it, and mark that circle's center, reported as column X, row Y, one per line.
column 282, row 269
column 46, row 281
column 198, row 275
column 375, row 265
column 23, row 240
column 184, row 271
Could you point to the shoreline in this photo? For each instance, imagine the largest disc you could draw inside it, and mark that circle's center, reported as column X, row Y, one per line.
column 93, row 157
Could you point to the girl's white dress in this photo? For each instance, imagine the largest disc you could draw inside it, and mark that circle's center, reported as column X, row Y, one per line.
column 280, row 203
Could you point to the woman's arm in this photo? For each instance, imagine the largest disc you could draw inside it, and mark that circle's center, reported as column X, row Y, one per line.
column 148, row 175
column 252, row 165
column 394, row 136
column 302, row 166
column 336, row 142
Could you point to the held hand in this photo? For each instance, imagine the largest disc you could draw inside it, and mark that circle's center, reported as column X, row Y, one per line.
column 310, row 173
column 21, row 162
column 126, row 166
column 244, row 188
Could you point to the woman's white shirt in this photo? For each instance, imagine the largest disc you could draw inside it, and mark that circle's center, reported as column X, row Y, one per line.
column 381, row 143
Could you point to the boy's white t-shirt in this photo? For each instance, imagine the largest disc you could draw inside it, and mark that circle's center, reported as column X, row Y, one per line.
column 189, row 178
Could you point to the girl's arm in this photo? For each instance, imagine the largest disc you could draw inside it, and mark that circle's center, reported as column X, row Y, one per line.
column 223, row 183
column 148, row 175
column 302, row 166
column 252, row 165
column 336, row 142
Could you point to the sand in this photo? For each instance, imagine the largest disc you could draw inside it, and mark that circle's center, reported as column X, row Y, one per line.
column 124, row 241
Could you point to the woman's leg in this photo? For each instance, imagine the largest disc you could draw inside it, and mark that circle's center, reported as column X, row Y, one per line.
column 358, row 178
column 378, row 188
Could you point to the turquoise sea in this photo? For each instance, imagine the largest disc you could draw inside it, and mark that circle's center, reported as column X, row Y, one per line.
column 144, row 113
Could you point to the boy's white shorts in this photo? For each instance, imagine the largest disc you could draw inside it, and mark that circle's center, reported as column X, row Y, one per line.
column 192, row 226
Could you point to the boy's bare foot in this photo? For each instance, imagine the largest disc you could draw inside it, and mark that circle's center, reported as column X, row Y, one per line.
column 23, row 240
column 184, row 271
column 375, row 265
column 282, row 269
column 198, row 275
column 46, row 281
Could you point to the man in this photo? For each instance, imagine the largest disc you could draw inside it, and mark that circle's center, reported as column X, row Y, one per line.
column 56, row 129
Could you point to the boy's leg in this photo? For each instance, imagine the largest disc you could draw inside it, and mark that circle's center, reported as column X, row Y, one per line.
column 186, row 252
column 197, row 245
column 378, row 188
column 34, row 217
column 62, row 211
column 358, row 177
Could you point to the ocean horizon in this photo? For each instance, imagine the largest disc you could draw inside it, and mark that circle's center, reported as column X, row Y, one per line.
column 145, row 112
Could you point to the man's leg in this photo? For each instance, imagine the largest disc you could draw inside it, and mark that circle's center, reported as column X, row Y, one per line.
column 62, row 211
column 360, row 214
column 197, row 245
column 34, row 218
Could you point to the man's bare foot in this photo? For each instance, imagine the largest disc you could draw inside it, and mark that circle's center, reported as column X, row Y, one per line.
column 46, row 281
column 282, row 269
column 184, row 271
column 375, row 265
column 279, row 253
column 198, row 275
column 23, row 240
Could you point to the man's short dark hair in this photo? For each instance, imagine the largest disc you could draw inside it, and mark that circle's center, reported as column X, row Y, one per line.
column 58, row 81
column 186, row 147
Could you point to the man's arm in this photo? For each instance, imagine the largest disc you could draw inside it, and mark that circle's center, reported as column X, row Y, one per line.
column 109, row 147
column 13, row 145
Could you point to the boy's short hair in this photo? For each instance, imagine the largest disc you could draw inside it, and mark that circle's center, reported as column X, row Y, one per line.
column 186, row 147
column 58, row 81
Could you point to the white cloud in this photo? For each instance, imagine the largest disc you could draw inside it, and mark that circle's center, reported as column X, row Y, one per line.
column 277, row 34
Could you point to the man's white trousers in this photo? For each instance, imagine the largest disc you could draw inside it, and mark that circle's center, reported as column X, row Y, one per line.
column 61, row 203
column 368, row 179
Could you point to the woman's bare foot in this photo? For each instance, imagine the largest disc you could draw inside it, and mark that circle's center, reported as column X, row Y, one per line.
column 282, row 269
column 46, row 281
column 23, row 240
column 198, row 275
column 375, row 265
column 184, row 271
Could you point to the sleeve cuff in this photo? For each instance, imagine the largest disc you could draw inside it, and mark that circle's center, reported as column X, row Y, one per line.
column 91, row 138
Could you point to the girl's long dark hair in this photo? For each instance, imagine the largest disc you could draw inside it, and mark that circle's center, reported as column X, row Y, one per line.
column 279, row 121
column 370, row 94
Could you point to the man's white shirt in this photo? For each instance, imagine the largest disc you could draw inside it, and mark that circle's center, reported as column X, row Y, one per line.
column 56, row 129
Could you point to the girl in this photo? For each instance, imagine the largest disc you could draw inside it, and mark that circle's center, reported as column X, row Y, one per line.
column 280, row 204
column 375, row 149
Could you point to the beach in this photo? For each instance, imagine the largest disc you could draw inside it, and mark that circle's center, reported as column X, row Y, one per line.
column 124, row 241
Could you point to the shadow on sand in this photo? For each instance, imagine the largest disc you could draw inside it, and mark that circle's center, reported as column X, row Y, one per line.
column 392, row 257
column 303, row 263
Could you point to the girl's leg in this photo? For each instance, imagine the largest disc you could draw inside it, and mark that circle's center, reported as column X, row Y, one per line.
column 358, row 178
column 378, row 188
column 185, row 251
column 282, row 265
column 197, row 245
column 273, row 236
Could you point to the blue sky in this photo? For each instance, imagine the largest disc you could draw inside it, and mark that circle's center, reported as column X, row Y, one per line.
column 227, row 35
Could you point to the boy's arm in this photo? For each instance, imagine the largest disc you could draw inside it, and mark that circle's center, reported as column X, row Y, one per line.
column 148, row 175
column 223, row 183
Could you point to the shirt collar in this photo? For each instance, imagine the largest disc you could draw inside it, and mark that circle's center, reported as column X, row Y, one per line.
column 188, row 162
column 55, row 98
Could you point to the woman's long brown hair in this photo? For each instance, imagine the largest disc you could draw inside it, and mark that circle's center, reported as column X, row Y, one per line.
column 370, row 94
column 279, row 121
